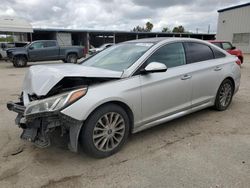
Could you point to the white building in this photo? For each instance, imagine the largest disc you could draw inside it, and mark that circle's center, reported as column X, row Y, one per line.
column 234, row 26
column 17, row 27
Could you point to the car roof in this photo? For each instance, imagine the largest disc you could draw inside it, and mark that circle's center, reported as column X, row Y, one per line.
column 167, row 39
column 43, row 40
column 149, row 40
column 214, row 41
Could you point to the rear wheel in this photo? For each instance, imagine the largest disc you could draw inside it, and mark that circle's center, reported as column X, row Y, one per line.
column 224, row 95
column 105, row 131
column 20, row 61
column 72, row 58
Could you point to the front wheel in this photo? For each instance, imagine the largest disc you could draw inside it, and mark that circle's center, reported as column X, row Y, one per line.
column 72, row 58
column 224, row 95
column 105, row 131
column 20, row 61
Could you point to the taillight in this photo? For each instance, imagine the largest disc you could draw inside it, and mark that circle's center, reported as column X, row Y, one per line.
column 84, row 52
column 238, row 62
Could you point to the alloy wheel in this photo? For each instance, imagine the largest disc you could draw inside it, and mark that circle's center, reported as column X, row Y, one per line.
column 109, row 131
column 225, row 94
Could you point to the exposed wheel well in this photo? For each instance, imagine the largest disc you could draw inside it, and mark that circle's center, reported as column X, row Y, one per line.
column 71, row 53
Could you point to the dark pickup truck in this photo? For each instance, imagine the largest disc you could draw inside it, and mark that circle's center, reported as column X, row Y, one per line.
column 44, row 50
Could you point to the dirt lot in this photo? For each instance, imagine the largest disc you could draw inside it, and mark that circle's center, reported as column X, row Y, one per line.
column 204, row 149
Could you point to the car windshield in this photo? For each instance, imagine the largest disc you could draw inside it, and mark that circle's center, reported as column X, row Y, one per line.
column 118, row 57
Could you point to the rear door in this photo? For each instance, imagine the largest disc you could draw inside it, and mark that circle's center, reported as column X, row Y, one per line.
column 166, row 93
column 205, row 71
column 52, row 50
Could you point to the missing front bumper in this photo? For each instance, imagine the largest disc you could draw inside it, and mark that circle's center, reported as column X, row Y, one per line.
column 37, row 127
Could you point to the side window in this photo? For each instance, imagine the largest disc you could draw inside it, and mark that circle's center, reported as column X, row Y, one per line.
column 38, row 45
column 226, row 46
column 171, row 55
column 50, row 44
column 217, row 53
column 196, row 52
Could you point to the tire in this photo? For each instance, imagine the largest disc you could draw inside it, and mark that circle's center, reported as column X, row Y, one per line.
column 72, row 58
column 112, row 138
column 64, row 61
column 14, row 65
column 20, row 61
column 224, row 95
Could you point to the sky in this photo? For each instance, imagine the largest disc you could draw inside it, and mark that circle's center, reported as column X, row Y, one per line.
column 118, row 14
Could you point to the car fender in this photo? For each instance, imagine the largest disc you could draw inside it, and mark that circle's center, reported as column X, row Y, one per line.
column 14, row 54
column 75, row 51
column 126, row 91
column 75, row 129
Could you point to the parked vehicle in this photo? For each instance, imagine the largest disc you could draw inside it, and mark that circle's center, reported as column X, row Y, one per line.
column 44, row 50
column 100, row 48
column 225, row 45
column 125, row 89
column 17, row 44
column 4, row 46
column 3, row 54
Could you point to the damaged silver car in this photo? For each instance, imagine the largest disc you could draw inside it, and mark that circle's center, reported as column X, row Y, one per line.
column 124, row 89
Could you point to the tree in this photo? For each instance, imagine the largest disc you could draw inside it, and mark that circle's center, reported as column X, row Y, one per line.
column 165, row 30
column 179, row 29
column 139, row 29
column 148, row 27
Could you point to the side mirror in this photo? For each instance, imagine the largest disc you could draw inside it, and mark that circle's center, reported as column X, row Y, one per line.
column 233, row 48
column 154, row 67
column 31, row 47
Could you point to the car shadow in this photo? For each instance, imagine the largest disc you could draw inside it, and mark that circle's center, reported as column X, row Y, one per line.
column 60, row 143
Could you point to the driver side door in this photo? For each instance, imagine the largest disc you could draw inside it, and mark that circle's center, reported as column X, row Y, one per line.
column 166, row 93
column 35, row 51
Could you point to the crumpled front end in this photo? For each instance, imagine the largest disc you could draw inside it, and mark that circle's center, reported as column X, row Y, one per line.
column 38, row 124
column 47, row 91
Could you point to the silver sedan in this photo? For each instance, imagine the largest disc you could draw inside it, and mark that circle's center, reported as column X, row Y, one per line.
column 124, row 89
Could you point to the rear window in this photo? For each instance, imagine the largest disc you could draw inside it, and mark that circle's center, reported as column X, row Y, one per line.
column 217, row 53
column 50, row 44
column 217, row 44
column 196, row 52
column 226, row 46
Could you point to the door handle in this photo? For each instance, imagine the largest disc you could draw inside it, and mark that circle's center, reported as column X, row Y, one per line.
column 217, row 68
column 186, row 76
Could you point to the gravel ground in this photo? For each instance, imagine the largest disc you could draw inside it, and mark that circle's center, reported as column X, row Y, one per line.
column 205, row 149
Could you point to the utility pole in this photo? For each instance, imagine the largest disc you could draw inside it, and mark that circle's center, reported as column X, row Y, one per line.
column 208, row 30
column 197, row 30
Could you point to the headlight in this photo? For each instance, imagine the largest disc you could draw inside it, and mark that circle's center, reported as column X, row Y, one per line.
column 55, row 103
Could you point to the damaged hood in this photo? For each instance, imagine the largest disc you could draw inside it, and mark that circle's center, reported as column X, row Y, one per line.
column 40, row 79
